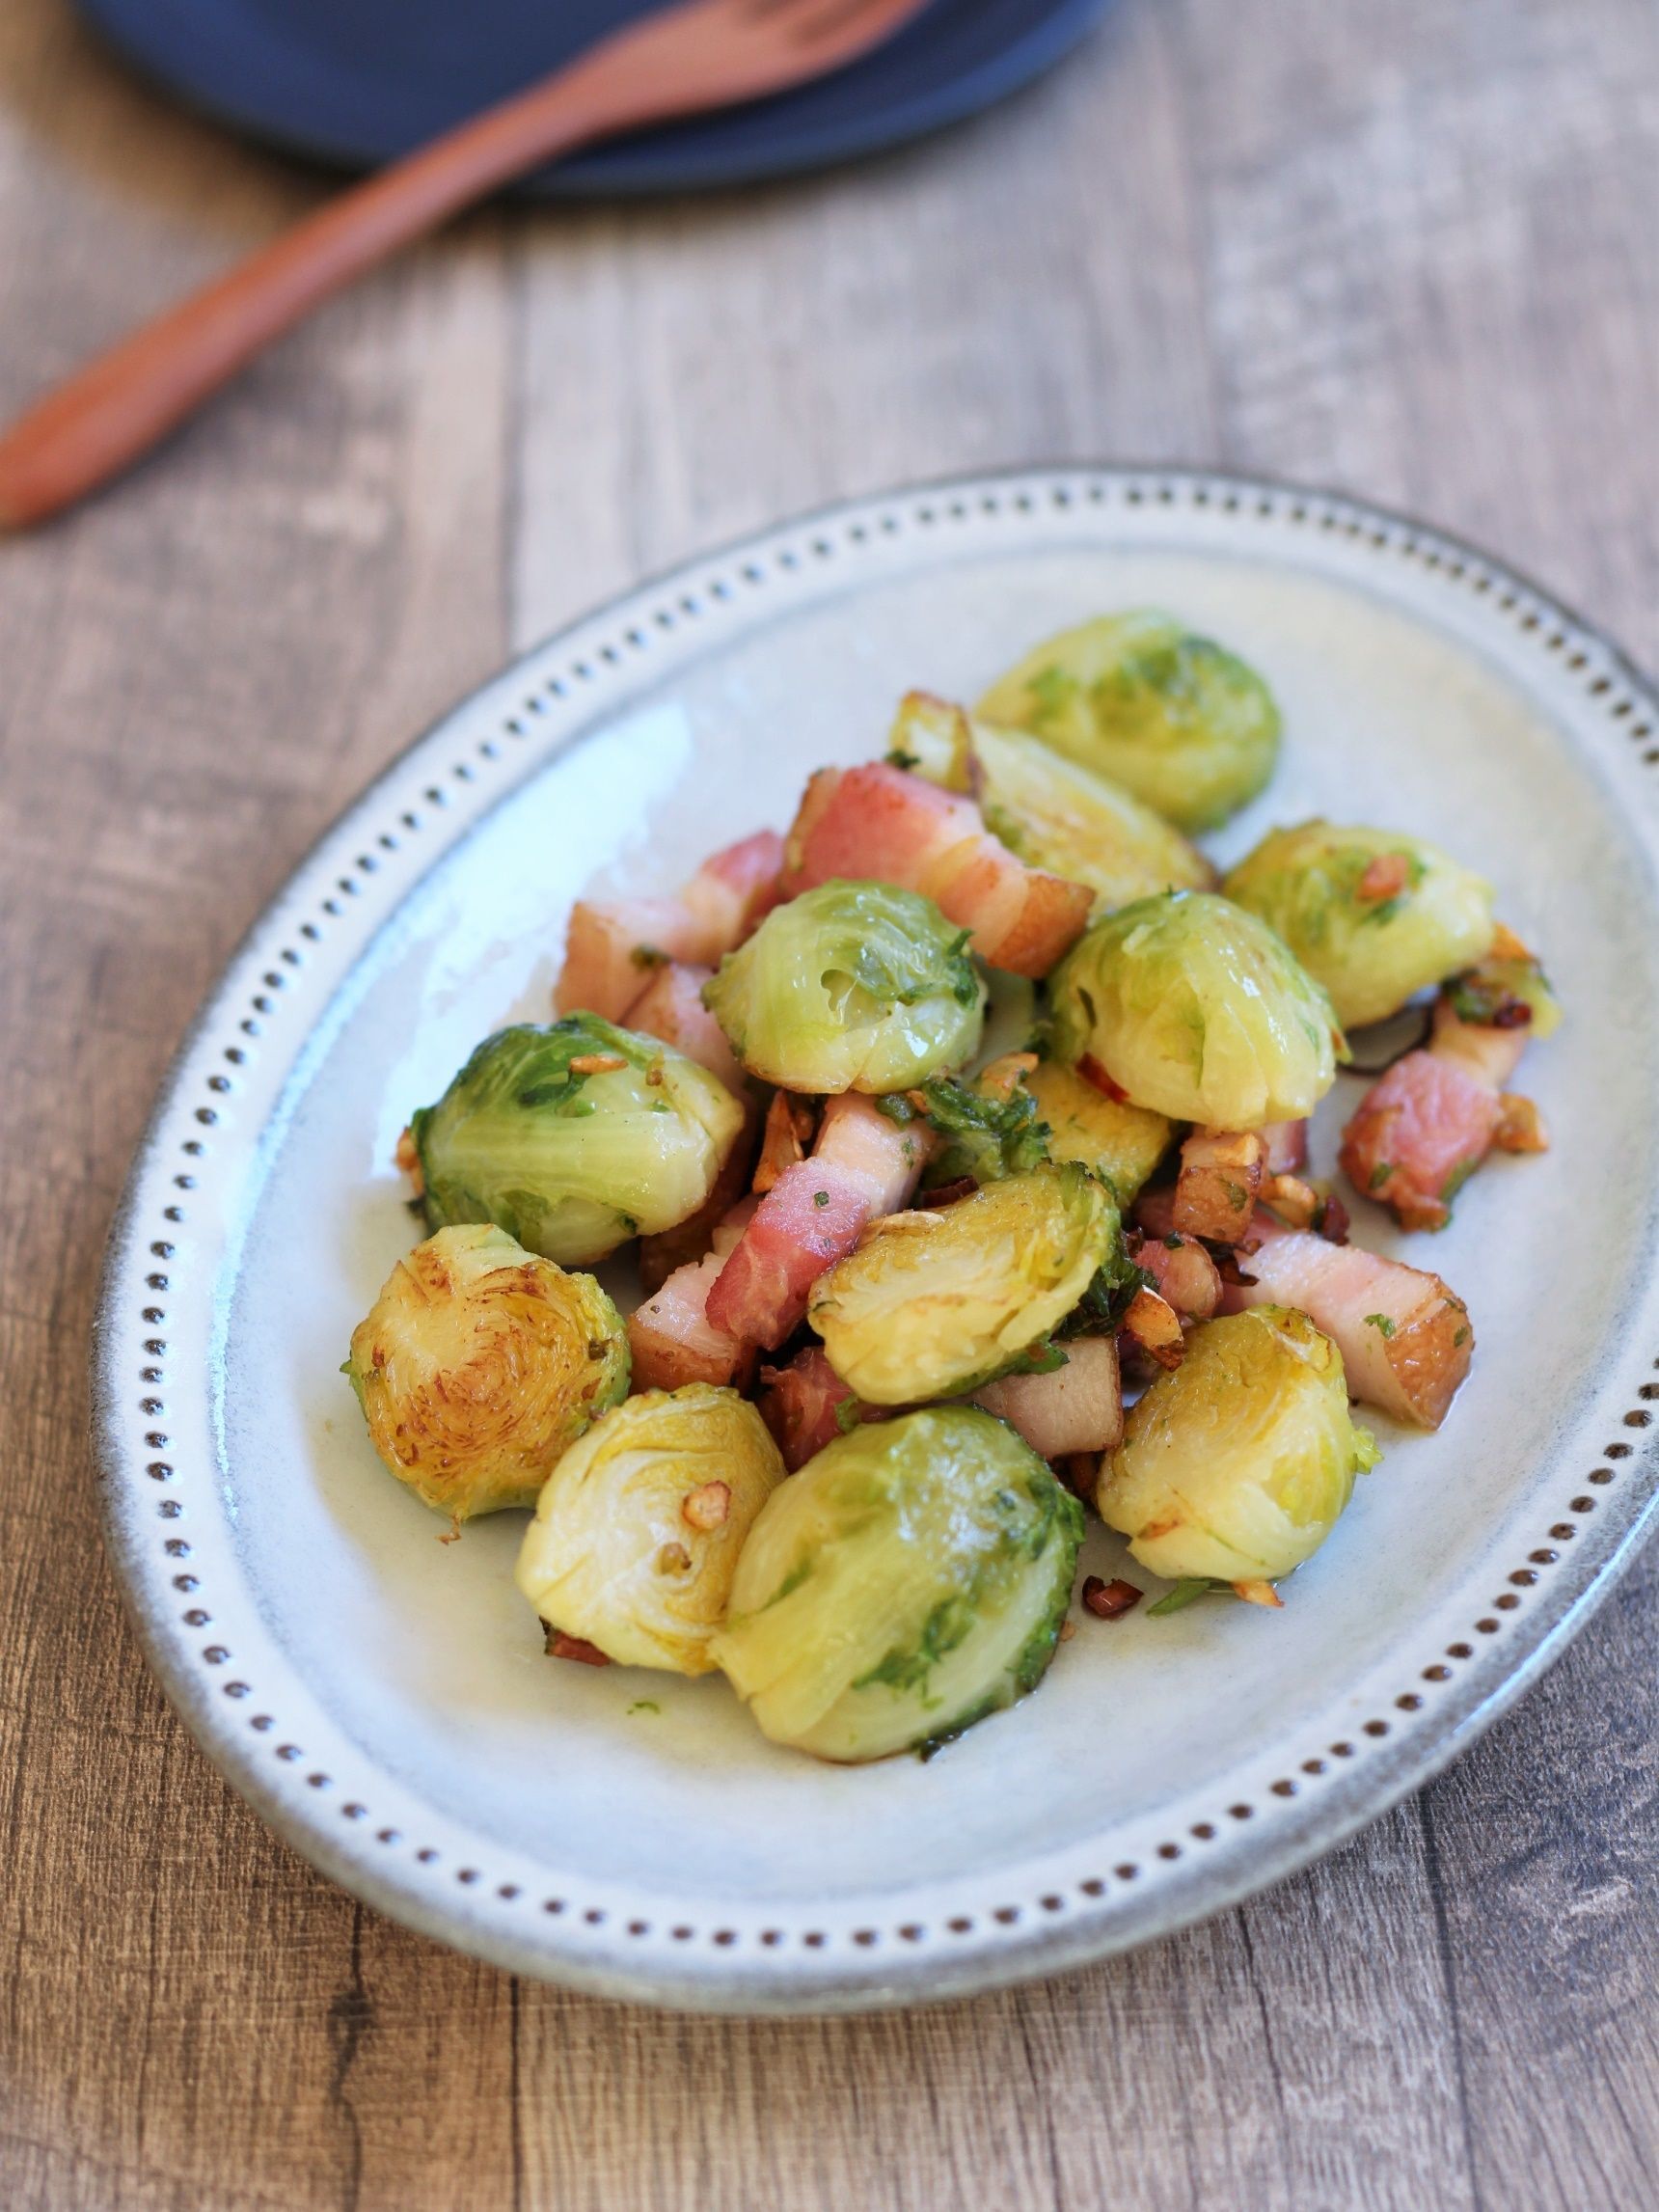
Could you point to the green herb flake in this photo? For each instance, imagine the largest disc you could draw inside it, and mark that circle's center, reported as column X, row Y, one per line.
column 644, row 1705
column 1187, row 1593
column 1380, row 1174
column 848, row 1415
column 1380, row 1322
column 820, row 1198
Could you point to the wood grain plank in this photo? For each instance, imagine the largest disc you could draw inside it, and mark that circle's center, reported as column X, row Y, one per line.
column 1023, row 288
column 197, row 673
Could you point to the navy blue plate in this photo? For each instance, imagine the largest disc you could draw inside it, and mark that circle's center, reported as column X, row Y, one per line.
column 359, row 81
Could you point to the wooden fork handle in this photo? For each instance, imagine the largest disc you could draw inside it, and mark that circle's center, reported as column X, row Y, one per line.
column 123, row 402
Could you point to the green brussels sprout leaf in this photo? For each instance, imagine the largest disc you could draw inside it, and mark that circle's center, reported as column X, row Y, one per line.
column 851, row 986
column 908, row 1581
column 575, row 1137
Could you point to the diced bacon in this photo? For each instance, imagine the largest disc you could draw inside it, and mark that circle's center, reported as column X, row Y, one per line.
column 733, row 893
column 610, row 950
column 1155, row 1325
column 799, row 1404
column 1216, row 1189
column 881, row 822
column 1405, row 1337
column 1182, row 1272
column 862, row 1165
column 1425, row 1126
column 884, row 1158
column 672, row 1338
column 1077, row 1408
column 671, row 1007
column 1284, row 1147
column 612, row 945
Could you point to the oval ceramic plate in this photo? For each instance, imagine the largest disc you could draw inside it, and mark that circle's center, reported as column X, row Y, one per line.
column 381, row 1697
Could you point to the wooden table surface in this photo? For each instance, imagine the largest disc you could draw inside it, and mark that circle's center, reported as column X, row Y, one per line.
column 1409, row 250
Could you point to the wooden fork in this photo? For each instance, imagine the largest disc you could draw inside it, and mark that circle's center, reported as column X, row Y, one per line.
column 700, row 55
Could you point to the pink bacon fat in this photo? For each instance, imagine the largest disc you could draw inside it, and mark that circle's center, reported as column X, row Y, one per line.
column 671, row 1007
column 670, row 1336
column 1426, row 1125
column 799, row 1404
column 1077, row 1408
column 1183, row 1273
column 862, row 1165
column 1405, row 1337
column 878, row 822
column 612, row 945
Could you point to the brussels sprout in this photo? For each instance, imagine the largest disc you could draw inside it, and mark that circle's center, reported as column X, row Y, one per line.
column 935, row 1303
column 910, row 1579
column 638, row 1530
column 1052, row 811
column 1121, row 1143
column 849, row 987
column 479, row 1363
column 575, row 1137
column 1174, row 719
column 1372, row 915
column 1236, row 1464
column 1194, row 1008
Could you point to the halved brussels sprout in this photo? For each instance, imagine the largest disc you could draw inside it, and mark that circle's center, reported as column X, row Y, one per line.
column 1372, row 915
column 575, row 1137
column 1236, row 1464
column 910, row 1579
column 479, row 1363
column 1121, row 1143
column 1052, row 811
column 1172, row 717
column 1194, row 1008
column 639, row 1528
column 935, row 1303
column 849, row 987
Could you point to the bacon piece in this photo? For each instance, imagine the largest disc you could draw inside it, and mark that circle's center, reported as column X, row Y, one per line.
column 799, row 1404
column 611, row 946
column 1426, row 1125
column 1184, row 1274
column 881, row 822
column 671, row 1007
column 1284, row 1147
column 732, row 894
column 862, row 1165
column 1219, row 1183
column 672, row 1338
column 1077, row 1408
column 1405, row 1338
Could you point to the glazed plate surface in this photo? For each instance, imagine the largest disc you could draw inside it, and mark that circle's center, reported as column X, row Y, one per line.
column 381, row 1697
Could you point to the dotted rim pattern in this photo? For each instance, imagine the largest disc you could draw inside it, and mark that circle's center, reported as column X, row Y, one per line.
column 160, row 1488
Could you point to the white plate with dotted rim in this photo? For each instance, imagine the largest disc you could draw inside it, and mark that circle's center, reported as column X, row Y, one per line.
column 382, row 1697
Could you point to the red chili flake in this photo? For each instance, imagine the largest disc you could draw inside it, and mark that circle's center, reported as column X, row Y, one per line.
column 1092, row 1072
column 1384, row 878
column 559, row 1645
column 1109, row 1600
